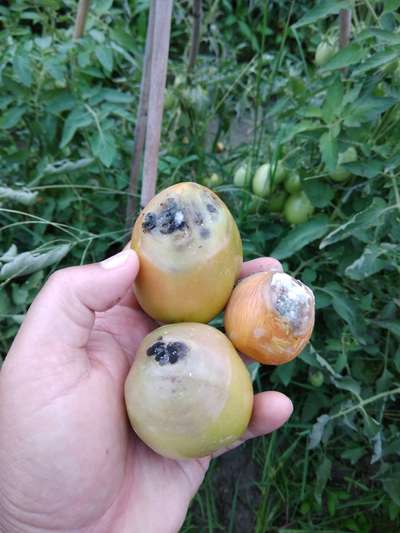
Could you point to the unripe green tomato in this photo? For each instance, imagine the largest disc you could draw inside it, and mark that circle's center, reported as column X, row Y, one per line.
column 325, row 50
column 281, row 172
column 341, row 173
column 196, row 99
column 298, row 208
column 188, row 393
column 262, row 181
column 316, row 378
column 213, row 181
column 277, row 201
column 292, row 183
column 241, row 178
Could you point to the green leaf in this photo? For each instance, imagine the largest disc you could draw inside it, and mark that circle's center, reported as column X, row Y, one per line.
column 390, row 5
column 322, row 10
column 117, row 97
column 319, row 191
column 382, row 36
column 300, row 236
column 11, row 117
column 366, row 169
column 368, row 218
column 103, row 146
column 352, row 54
column 105, row 55
column 311, row 357
column 323, row 474
column 317, row 431
column 333, row 102
column 60, row 101
column 55, row 68
column 390, row 325
column 78, row 118
column 367, row 109
column 29, row 262
column 285, row 372
column 100, row 7
column 347, row 383
column 21, row 196
column 367, row 264
column 22, row 68
column 378, row 59
column 329, row 150
column 348, row 310
column 9, row 254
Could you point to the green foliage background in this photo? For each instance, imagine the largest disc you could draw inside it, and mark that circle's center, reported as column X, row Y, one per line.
column 67, row 115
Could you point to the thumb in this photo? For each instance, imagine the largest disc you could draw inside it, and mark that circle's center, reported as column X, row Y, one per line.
column 64, row 310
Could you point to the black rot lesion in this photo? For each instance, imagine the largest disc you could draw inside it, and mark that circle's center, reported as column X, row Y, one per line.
column 171, row 218
column 167, row 352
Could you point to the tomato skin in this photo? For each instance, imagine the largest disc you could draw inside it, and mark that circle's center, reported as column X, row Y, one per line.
column 262, row 185
column 316, row 378
column 241, row 178
column 213, row 181
column 325, row 50
column 277, row 201
column 292, row 183
column 298, row 208
column 281, row 172
column 341, row 173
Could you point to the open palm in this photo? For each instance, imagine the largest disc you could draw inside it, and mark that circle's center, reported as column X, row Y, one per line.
column 68, row 458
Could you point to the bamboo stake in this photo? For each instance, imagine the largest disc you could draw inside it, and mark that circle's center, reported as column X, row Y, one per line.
column 197, row 16
column 345, row 27
column 81, row 15
column 141, row 120
column 158, row 76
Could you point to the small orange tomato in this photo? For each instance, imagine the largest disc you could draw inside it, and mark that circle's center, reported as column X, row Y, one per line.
column 270, row 317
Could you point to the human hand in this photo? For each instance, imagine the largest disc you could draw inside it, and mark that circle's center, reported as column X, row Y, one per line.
column 69, row 461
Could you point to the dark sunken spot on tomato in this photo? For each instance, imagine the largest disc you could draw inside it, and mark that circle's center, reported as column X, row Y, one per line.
column 204, row 233
column 171, row 218
column 170, row 352
column 149, row 222
column 211, row 208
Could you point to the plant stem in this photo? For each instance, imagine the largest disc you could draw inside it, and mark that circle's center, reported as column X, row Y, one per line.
column 345, row 27
column 80, row 21
column 158, row 76
column 197, row 12
column 141, row 120
column 365, row 402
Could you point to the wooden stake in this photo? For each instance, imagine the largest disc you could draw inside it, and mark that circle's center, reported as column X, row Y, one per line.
column 345, row 27
column 158, row 76
column 141, row 120
column 197, row 15
column 80, row 21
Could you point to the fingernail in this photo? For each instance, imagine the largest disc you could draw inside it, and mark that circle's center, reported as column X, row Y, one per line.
column 116, row 260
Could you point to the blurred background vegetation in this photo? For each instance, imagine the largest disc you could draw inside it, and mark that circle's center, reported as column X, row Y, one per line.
column 269, row 89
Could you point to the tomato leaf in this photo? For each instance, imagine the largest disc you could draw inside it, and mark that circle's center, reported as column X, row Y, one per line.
column 322, row 10
column 352, row 54
column 329, row 150
column 365, row 219
column 301, row 235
